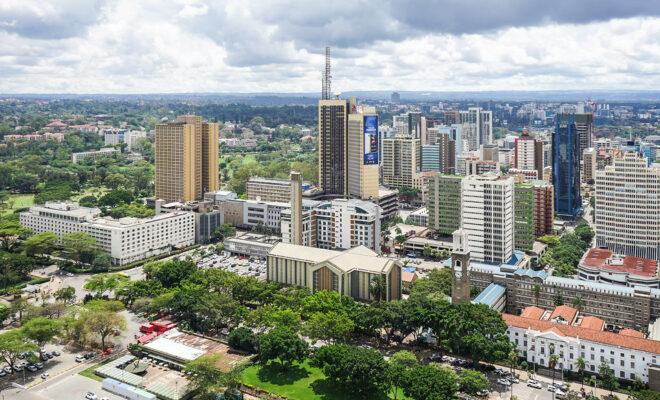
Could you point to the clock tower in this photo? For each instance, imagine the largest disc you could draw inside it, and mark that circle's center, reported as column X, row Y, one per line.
column 460, row 265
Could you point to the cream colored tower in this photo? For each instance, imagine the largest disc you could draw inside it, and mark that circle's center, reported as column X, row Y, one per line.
column 362, row 163
column 296, row 208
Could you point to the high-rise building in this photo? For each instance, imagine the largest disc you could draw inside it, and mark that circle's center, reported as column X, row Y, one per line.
column 441, row 156
column 400, row 160
column 523, row 216
column 628, row 207
column 415, row 124
column 362, row 154
column 490, row 152
column 444, row 203
column 566, row 167
column 487, row 217
column 584, row 124
column 544, row 215
column 186, row 159
column 430, row 158
column 477, row 127
column 395, row 98
column 332, row 131
column 528, row 154
column 589, row 165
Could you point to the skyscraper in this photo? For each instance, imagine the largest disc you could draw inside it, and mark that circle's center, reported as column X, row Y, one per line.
column 487, row 217
column 444, row 203
column 186, row 159
column 584, row 124
column 566, row 167
column 332, row 130
column 477, row 127
column 362, row 153
column 628, row 207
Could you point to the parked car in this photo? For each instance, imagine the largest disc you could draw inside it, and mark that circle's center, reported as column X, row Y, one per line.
column 552, row 388
column 91, row 396
column 44, row 375
column 55, row 353
column 2, row 373
column 503, row 382
column 482, row 393
column 8, row 369
column 435, row 358
column 534, row 384
column 80, row 358
column 31, row 368
column 39, row 365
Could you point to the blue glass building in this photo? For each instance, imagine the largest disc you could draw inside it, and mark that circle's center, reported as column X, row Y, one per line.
column 566, row 167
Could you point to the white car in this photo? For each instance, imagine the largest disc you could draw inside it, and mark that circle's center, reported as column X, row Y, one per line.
column 534, row 384
column 91, row 396
column 504, row 382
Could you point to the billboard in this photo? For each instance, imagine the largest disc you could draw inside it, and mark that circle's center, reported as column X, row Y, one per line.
column 370, row 139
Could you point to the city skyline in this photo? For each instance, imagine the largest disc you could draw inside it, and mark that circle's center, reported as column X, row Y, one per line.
column 188, row 46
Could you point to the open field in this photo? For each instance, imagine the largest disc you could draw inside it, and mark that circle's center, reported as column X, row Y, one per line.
column 18, row 201
column 300, row 382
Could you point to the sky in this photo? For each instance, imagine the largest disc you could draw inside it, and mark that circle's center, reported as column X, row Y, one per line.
column 183, row 46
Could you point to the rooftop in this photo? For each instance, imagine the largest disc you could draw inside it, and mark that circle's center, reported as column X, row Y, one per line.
column 532, row 312
column 605, row 259
column 564, row 313
column 490, row 295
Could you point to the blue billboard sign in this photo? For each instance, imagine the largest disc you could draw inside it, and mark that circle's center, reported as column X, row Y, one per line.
column 370, row 139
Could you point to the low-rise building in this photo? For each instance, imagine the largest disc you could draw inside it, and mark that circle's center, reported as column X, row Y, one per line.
column 124, row 239
column 538, row 334
column 251, row 244
column 350, row 272
column 418, row 217
column 602, row 265
column 268, row 189
column 93, row 155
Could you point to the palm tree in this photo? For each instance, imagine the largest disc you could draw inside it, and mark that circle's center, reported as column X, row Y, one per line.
column 578, row 303
column 378, row 287
column 581, row 366
column 513, row 360
column 552, row 363
column 536, row 289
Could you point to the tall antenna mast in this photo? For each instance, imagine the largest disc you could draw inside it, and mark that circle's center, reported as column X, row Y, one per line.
column 326, row 91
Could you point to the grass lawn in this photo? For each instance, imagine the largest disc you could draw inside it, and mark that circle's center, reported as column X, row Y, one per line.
column 94, row 191
column 20, row 201
column 89, row 372
column 300, row 382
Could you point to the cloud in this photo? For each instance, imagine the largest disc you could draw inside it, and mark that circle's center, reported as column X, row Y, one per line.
column 234, row 45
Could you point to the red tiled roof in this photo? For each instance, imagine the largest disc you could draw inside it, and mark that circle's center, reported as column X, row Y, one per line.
column 610, row 338
column 594, row 323
column 631, row 333
column 532, row 312
column 598, row 258
column 566, row 312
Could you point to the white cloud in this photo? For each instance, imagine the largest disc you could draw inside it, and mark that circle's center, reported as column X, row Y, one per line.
column 191, row 46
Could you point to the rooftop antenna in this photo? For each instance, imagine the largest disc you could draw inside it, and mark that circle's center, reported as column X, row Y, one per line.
column 326, row 92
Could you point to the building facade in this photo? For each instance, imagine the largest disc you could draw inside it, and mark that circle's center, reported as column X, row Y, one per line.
column 487, row 217
column 350, row 272
column 125, row 239
column 528, row 154
column 628, row 207
column 444, row 203
column 332, row 131
column 187, row 152
column 268, row 189
column 523, row 216
column 566, row 167
column 93, row 155
column 401, row 157
column 362, row 154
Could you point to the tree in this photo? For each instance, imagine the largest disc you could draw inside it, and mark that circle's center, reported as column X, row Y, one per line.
column 41, row 243
column 397, row 367
column 116, row 181
column 437, row 283
column 79, row 246
column 513, row 359
column 116, row 197
column 12, row 344
column 104, row 323
column 331, row 325
column 41, row 330
column 88, row 201
column 552, row 364
column 101, row 283
column 581, row 365
column 558, row 299
column 607, row 377
column 646, row 395
column 378, row 287
column 427, row 382
column 282, row 345
column 536, row 290
column 172, row 273
column 472, row 382
column 224, row 231
column 203, row 374
column 242, row 338
column 66, row 295
column 584, row 233
column 102, row 262
column 578, row 303
column 360, row 370
column 5, row 312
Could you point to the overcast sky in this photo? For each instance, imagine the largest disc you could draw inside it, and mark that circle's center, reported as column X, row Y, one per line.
column 148, row 46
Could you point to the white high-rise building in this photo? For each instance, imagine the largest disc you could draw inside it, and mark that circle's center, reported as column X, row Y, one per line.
column 487, row 217
column 348, row 223
column 477, row 127
column 628, row 207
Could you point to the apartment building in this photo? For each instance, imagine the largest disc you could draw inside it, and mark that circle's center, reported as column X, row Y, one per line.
column 348, row 223
column 349, row 272
column 589, row 165
column 528, row 154
column 125, row 239
column 487, row 217
column 628, row 207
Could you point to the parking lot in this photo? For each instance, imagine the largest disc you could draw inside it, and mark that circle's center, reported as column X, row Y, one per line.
column 243, row 266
